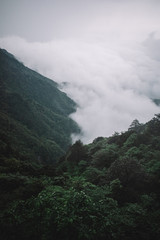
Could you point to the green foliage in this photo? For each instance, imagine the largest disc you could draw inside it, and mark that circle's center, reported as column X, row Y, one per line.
column 79, row 210
column 136, row 126
column 105, row 190
column 105, row 156
column 94, row 175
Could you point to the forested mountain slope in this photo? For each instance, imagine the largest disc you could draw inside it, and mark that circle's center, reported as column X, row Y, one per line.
column 34, row 114
column 109, row 189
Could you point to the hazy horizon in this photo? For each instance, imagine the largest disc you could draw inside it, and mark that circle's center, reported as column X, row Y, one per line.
column 107, row 51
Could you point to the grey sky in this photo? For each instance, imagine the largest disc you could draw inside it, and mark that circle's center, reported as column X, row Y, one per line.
column 45, row 20
column 107, row 50
column 40, row 20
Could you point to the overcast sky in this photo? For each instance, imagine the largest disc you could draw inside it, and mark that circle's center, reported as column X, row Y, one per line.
column 108, row 52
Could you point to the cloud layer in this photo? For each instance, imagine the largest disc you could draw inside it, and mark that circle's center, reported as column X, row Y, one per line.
column 111, row 84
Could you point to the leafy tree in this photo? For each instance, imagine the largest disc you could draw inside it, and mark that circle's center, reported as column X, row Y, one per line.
column 132, row 176
column 105, row 156
column 76, row 154
column 135, row 126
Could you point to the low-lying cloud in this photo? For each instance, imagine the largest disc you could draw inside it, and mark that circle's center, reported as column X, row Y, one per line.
column 112, row 84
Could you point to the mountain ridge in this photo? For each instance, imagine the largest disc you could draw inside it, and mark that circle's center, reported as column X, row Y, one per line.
column 35, row 102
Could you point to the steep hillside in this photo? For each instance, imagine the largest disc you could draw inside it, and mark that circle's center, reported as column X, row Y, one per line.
column 109, row 189
column 34, row 114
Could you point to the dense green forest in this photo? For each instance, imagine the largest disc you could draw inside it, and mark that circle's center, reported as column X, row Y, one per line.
column 34, row 122
column 50, row 189
column 109, row 189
